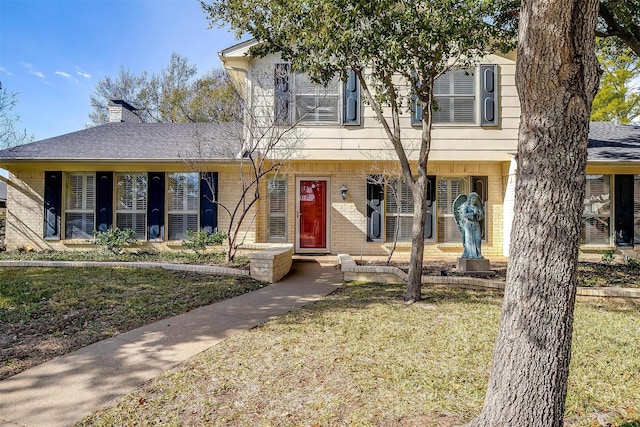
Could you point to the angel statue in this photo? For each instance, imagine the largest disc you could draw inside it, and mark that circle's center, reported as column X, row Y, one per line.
column 468, row 213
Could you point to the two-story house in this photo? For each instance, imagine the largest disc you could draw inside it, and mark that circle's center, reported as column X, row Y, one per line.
column 329, row 198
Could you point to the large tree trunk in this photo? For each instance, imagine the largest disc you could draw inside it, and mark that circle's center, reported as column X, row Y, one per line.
column 557, row 77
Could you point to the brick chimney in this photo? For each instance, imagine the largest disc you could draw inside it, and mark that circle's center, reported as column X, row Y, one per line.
column 122, row 111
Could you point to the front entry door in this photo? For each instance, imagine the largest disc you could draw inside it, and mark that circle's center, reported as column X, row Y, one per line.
column 624, row 210
column 312, row 214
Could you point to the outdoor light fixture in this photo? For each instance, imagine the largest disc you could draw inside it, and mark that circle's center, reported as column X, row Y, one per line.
column 343, row 192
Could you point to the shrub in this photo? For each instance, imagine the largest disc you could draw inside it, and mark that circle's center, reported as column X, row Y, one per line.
column 633, row 262
column 114, row 239
column 199, row 240
column 607, row 256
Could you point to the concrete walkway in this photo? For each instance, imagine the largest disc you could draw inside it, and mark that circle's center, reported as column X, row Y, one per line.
column 68, row 388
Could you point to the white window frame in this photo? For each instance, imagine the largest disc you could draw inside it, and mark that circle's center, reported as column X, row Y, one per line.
column 86, row 207
column 273, row 212
column 472, row 74
column 403, row 210
column 597, row 207
column 134, row 204
column 303, row 88
column 183, row 210
column 636, row 210
column 444, row 211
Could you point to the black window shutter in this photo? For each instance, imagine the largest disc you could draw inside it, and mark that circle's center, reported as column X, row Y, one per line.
column 281, row 101
column 208, row 198
column 104, row 200
column 52, row 204
column 351, row 101
column 155, row 205
column 375, row 205
column 489, row 94
column 416, row 111
column 429, row 221
column 479, row 185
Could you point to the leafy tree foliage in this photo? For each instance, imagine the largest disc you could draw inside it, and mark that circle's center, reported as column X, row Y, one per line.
column 397, row 49
column 621, row 19
column 10, row 136
column 617, row 99
column 174, row 95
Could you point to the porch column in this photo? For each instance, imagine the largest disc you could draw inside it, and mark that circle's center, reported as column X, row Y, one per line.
column 508, row 206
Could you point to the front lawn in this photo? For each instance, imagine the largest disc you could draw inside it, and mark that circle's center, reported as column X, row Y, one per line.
column 49, row 312
column 361, row 357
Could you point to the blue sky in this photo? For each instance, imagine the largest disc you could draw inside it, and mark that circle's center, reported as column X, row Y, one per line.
column 53, row 52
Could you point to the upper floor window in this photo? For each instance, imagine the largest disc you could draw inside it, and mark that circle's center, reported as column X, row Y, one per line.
column 463, row 96
column 298, row 99
column 455, row 96
column 315, row 103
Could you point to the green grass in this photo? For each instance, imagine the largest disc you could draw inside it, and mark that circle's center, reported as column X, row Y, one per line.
column 361, row 357
column 48, row 312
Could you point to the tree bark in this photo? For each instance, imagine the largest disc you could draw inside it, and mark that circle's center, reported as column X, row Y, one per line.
column 556, row 77
column 414, row 283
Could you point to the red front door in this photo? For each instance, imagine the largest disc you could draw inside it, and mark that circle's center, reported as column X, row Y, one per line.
column 313, row 214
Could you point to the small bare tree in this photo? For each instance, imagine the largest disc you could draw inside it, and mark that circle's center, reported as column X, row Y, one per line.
column 259, row 140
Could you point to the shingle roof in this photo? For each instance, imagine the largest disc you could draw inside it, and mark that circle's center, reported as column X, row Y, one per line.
column 134, row 142
column 609, row 142
column 175, row 141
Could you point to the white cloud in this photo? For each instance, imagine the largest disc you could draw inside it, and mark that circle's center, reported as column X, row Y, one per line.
column 63, row 74
column 31, row 71
column 5, row 71
column 82, row 73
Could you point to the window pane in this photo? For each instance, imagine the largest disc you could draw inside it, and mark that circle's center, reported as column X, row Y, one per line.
column 596, row 216
column 455, row 97
column 79, row 226
column 315, row 103
column 131, row 203
column 636, row 209
column 277, row 218
column 184, row 205
column 179, row 224
column 447, row 191
column 399, row 211
column 80, row 197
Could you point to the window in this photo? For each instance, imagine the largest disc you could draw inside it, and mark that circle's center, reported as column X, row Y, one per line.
column 399, row 211
column 596, row 215
column 183, row 206
column 315, row 103
column 454, row 93
column 296, row 98
column 80, row 205
column 131, row 203
column 636, row 209
column 447, row 191
column 277, row 210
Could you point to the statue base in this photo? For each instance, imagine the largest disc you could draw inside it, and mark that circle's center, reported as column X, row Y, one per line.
column 474, row 266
